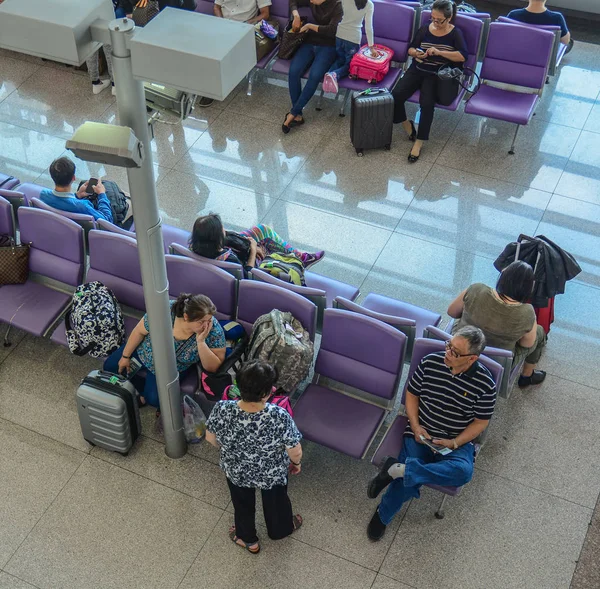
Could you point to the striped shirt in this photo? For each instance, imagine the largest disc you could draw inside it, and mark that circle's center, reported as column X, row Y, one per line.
column 453, row 41
column 449, row 403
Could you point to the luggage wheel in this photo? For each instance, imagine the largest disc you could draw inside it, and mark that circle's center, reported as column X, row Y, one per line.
column 124, row 454
column 360, row 153
column 90, row 443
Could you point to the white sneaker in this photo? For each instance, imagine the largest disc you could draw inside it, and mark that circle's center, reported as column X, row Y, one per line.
column 97, row 88
column 114, row 90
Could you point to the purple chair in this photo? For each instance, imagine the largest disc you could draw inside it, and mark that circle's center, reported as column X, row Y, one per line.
column 7, row 218
column 358, row 352
column 8, row 182
column 518, row 60
column 392, row 441
column 394, row 27
column 472, row 29
column 257, row 298
column 30, row 191
column 17, row 199
column 232, row 268
column 559, row 49
column 114, row 261
column 57, row 255
column 170, row 233
column 503, row 357
column 321, row 290
column 86, row 221
column 187, row 275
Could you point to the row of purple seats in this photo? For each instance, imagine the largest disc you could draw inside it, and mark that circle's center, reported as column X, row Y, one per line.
column 8, row 182
column 393, row 439
column 7, row 218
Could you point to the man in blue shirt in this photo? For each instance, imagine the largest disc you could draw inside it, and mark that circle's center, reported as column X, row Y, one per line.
column 62, row 171
column 536, row 13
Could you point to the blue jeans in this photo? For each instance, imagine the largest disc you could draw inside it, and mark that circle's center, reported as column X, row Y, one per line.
column 423, row 466
column 321, row 59
column 344, row 52
column 145, row 385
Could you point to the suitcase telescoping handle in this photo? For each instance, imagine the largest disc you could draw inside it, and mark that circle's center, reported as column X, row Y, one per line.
column 373, row 91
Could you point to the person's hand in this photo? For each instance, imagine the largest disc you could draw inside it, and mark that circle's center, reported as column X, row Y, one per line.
column 142, row 4
column 308, row 27
column 420, row 54
column 295, row 468
column 419, row 431
column 124, row 366
column 432, row 51
column 99, row 187
column 82, row 192
column 261, row 252
column 445, row 443
column 373, row 52
column 205, row 331
column 129, row 15
column 252, row 245
column 296, row 24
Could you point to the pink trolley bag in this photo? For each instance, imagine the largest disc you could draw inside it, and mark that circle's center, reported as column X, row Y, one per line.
column 372, row 69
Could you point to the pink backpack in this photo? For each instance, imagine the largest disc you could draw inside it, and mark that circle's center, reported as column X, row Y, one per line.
column 282, row 400
column 372, row 69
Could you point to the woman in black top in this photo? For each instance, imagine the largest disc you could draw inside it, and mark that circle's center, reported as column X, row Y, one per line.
column 317, row 52
column 248, row 248
column 434, row 46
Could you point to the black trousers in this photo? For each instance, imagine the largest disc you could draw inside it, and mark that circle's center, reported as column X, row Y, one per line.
column 432, row 90
column 277, row 509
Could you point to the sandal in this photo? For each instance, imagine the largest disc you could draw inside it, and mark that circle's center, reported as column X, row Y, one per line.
column 297, row 123
column 246, row 545
column 297, row 520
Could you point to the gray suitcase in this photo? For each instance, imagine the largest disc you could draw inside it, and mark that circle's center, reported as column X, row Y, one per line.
column 108, row 411
column 371, row 119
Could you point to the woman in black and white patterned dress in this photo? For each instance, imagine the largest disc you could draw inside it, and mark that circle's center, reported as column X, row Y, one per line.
column 259, row 444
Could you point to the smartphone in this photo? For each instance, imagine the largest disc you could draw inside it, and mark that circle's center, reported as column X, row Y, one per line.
column 438, row 449
column 90, row 187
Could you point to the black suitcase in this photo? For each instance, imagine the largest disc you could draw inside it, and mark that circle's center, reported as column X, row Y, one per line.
column 371, row 119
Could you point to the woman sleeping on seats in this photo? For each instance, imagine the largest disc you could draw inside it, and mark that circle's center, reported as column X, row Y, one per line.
column 248, row 248
column 197, row 337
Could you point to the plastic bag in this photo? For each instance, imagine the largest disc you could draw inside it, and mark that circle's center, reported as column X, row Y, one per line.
column 194, row 421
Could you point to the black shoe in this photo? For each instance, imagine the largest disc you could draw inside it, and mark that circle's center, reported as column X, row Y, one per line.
column 413, row 134
column 382, row 479
column 376, row 528
column 413, row 158
column 537, row 377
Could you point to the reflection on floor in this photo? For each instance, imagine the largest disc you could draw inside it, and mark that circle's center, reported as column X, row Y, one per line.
column 74, row 517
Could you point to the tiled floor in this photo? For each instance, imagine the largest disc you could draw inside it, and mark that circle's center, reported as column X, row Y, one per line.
column 73, row 517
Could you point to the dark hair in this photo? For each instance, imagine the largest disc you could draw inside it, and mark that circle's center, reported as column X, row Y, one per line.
column 360, row 4
column 194, row 306
column 255, row 379
column 516, row 282
column 207, row 236
column 62, row 171
column 446, row 7
column 474, row 337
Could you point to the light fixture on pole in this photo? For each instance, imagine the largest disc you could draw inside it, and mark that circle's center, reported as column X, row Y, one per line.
column 191, row 52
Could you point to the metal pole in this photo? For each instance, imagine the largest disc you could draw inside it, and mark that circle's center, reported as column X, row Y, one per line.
column 132, row 113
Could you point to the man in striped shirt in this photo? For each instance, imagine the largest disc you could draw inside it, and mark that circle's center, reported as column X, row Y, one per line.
column 449, row 400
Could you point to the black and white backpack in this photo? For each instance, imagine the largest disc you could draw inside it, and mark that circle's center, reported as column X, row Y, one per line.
column 94, row 323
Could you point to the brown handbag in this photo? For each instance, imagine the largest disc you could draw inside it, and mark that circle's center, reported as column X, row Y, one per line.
column 290, row 42
column 142, row 16
column 14, row 262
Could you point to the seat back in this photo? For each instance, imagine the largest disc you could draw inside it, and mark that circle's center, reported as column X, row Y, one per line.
column 15, row 198
column 393, row 26
column 472, row 30
column 187, row 275
column 417, row 6
column 114, row 262
column 555, row 29
column 30, row 191
column 361, row 352
column 57, row 245
column 107, row 226
column 257, row 298
column 8, row 182
column 517, row 59
column 407, row 326
column 7, row 218
column 86, row 221
column 234, row 269
column 280, row 10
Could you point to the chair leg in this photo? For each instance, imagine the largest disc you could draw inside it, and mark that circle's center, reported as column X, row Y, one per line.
column 7, row 342
column 511, row 151
column 251, row 77
column 346, row 99
column 319, row 106
column 440, row 512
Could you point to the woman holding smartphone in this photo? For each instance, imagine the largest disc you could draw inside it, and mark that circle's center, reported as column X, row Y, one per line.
column 435, row 45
